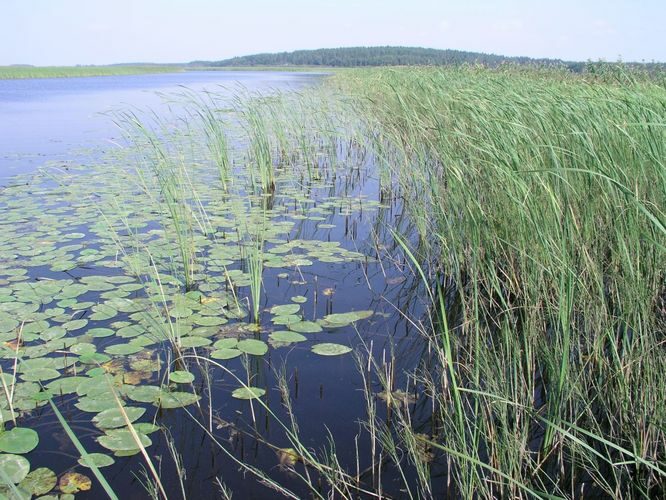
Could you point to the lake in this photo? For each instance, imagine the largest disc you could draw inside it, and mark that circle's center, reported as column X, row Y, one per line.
column 48, row 118
column 223, row 284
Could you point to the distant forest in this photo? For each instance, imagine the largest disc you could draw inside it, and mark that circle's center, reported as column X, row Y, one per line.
column 392, row 56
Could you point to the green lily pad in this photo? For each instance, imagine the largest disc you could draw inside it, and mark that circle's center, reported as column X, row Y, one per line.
column 305, row 327
column 115, row 417
column 103, row 312
column 39, row 482
column 288, row 319
column 96, row 405
column 100, row 332
column 344, row 319
column 285, row 310
column 98, row 460
column 299, row 299
column 209, row 320
column 15, row 467
column 287, row 337
column 130, row 331
column 123, row 349
column 144, row 393
column 225, row 343
column 65, row 385
column 176, row 399
column 53, row 333
column 18, row 440
column 191, row 342
column 146, row 427
column 248, row 393
column 74, row 325
column 122, row 440
column 181, row 377
column 225, row 354
column 40, row 374
column 252, row 346
column 328, row 349
column 6, row 379
column 180, row 312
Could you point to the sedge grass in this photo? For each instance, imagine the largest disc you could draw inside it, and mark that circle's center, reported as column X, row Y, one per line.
column 540, row 198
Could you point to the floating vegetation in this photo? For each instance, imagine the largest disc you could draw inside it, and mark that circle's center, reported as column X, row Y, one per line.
column 128, row 282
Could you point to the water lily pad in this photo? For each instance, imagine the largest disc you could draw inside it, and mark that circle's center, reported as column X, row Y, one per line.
column 287, row 337
column 285, row 310
column 181, row 377
column 100, row 332
column 176, row 399
column 39, row 482
column 146, row 427
column 18, row 440
column 98, row 460
column 329, row 349
column 6, row 379
column 15, row 467
column 252, row 346
column 180, row 312
column 65, row 385
column 305, row 327
column 40, row 374
column 144, row 393
column 344, row 319
column 73, row 482
column 53, row 333
column 225, row 343
column 225, row 354
column 248, row 393
column 299, row 299
column 191, row 342
column 96, row 405
column 74, row 325
column 103, row 312
column 8, row 324
column 122, row 440
column 130, row 331
column 209, row 320
column 123, row 349
column 117, row 417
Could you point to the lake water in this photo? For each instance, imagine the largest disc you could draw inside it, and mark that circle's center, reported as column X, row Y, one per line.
column 328, row 249
column 46, row 119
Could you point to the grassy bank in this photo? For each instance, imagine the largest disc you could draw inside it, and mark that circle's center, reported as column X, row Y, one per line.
column 17, row 72
column 538, row 198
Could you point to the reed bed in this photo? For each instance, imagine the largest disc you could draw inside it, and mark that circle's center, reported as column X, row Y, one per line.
column 538, row 200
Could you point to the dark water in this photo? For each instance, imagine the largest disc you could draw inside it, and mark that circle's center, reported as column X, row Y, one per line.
column 46, row 120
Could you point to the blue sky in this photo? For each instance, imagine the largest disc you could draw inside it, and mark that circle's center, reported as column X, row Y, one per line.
column 66, row 32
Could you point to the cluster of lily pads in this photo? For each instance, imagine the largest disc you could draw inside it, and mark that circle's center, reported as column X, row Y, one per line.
column 103, row 276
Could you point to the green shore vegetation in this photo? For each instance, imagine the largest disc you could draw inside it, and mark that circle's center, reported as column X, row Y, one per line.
column 21, row 71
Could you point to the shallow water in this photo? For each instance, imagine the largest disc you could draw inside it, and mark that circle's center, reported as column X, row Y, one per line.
column 68, row 237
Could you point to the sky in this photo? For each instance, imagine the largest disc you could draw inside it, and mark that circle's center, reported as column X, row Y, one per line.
column 69, row 32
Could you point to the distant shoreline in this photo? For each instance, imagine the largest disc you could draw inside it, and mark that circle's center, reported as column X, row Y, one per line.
column 30, row 72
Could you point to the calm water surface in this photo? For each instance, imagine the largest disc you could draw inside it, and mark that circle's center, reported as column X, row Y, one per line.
column 46, row 118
